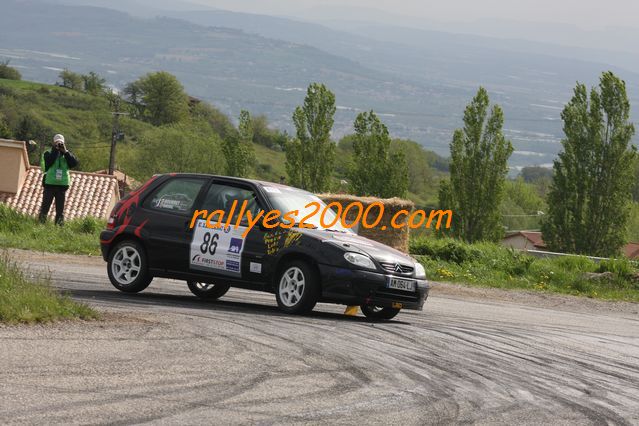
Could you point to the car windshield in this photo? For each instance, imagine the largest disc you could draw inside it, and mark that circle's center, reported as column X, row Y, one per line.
column 308, row 207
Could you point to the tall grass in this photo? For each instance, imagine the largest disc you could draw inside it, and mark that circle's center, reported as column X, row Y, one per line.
column 26, row 301
column 81, row 236
column 492, row 265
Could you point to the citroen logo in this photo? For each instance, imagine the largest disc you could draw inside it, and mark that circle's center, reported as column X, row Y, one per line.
column 398, row 267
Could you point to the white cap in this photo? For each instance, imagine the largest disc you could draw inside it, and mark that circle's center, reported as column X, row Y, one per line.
column 58, row 138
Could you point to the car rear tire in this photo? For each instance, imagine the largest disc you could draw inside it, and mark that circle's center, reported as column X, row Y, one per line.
column 127, row 267
column 298, row 288
column 378, row 313
column 208, row 291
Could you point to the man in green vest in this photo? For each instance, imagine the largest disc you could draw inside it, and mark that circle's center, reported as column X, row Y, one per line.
column 55, row 165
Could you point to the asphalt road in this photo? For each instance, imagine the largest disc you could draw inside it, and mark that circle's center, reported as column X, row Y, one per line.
column 164, row 357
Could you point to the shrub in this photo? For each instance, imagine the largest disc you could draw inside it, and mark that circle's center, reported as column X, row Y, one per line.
column 444, row 249
column 492, row 265
column 264, row 169
column 519, row 263
column 621, row 267
column 575, row 263
column 582, row 286
column 12, row 221
column 86, row 225
column 8, row 72
column 7, row 91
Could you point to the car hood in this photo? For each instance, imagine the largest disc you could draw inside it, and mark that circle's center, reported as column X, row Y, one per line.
column 357, row 243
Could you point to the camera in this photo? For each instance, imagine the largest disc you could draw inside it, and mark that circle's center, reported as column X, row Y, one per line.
column 59, row 145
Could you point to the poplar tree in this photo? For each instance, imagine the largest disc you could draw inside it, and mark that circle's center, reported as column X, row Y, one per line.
column 589, row 199
column 238, row 148
column 310, row 157
column 478, row 169
column 375, row 170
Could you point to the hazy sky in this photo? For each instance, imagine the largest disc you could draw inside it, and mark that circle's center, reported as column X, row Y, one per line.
column 583, row 13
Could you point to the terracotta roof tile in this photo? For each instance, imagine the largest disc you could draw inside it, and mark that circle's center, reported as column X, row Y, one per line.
column 631, row 250
column 126, row 181
column 534, row 237
column 90, row 194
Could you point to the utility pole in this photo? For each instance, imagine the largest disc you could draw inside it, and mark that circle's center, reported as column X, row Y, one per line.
column 116, row 135
column 44, row 137
column 41, row 145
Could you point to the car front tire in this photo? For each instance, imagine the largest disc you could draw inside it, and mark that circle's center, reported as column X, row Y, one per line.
column 298, row 288
column 127, row 267
column 208, row 291
column 378, row 313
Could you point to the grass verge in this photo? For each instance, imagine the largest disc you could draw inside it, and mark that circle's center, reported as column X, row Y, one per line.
column 492, row 265
column 81, row 236
column 26, row 301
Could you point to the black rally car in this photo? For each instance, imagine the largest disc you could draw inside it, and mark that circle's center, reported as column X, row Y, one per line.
column 149, row 234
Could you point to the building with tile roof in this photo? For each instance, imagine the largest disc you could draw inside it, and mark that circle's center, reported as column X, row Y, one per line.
column 90, row 194
column 126, row 183
column 524, row 240
column 532, row 240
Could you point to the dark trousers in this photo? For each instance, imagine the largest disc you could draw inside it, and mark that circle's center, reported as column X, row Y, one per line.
column 58, row 193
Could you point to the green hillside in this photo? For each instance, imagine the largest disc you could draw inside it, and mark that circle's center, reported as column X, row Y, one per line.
column 34, row 111
column 37, row 111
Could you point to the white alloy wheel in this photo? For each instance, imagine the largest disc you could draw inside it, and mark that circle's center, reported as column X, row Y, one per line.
column 204, row 286
column 208, row 291
column 291, row 287
column 126, row 265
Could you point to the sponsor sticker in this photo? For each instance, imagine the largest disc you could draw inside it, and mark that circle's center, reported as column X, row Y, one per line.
column 236, row 245
column 272, row 190
column 179, row 202
column 232, row 265
column 217, row 249
column 255, row 267
column 199, row 260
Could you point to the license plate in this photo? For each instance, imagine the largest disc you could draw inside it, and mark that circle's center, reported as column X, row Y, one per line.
column 400, row 284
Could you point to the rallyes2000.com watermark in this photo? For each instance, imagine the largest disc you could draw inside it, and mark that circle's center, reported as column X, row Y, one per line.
column 328, row 218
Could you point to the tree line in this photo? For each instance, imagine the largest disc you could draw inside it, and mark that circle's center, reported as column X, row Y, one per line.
column 589, row 196
column 588, row 193
column 160, row 99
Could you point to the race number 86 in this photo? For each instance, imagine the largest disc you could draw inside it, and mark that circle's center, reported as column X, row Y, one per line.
column 209, row 244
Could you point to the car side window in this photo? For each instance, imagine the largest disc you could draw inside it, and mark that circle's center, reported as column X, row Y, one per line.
column 221, row 197
column 177, row 195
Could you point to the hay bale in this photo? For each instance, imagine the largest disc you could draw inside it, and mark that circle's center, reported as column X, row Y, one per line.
column 383, row 232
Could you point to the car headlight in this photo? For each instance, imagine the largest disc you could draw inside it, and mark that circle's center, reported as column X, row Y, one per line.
column 359, row 260
column 420, row 272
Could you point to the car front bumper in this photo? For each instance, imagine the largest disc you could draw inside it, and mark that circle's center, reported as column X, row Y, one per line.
column 359, row 287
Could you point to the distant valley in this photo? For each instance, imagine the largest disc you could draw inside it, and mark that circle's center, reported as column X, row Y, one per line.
column 418, row 81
